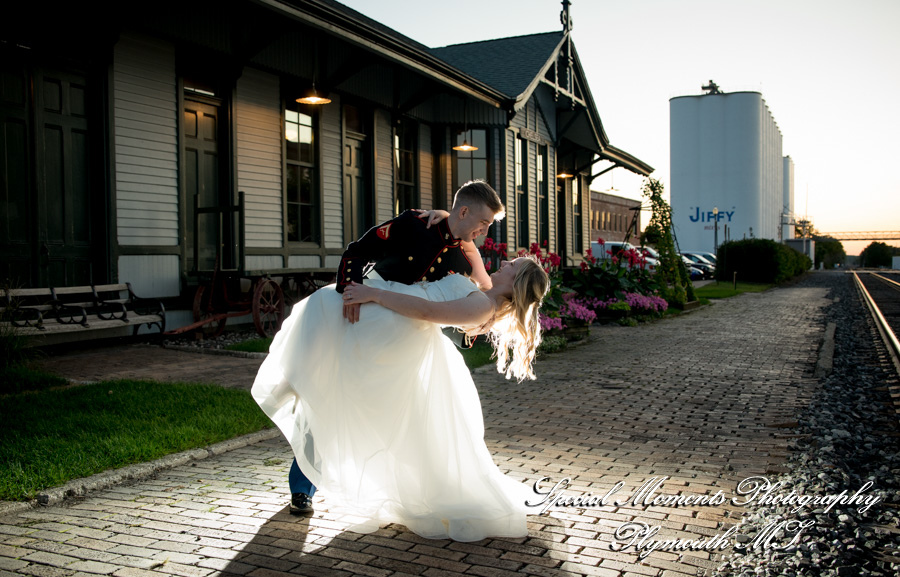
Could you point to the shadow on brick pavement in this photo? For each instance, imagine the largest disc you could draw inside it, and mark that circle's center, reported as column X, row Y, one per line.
column 703, row 400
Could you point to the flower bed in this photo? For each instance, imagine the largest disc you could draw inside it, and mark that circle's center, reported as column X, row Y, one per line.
column 618, row 288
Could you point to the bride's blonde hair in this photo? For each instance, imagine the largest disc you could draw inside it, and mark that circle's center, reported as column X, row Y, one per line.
column 518, row 328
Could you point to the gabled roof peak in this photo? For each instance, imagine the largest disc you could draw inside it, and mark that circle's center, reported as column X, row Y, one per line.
column 510, row 65
column 556, row 33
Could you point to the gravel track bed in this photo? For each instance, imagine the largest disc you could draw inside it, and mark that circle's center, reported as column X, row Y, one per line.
column 847, row 437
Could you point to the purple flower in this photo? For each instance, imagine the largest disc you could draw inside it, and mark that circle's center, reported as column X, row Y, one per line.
column 550, row 323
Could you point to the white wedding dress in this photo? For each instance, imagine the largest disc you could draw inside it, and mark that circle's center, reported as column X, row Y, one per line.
column 384, row 418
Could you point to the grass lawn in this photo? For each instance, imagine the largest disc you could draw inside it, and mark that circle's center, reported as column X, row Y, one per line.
column 478, row 355
column 252, row 345
column 724, row 290
column 17, row 379
column 49, row 437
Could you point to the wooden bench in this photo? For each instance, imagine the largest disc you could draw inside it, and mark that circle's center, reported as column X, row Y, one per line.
column 55, row 311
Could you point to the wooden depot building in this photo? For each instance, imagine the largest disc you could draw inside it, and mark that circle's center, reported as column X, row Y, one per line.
column 152, row 142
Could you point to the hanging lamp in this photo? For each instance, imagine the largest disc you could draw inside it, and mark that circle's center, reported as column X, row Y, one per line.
column 612, row 185
column 465, row 146
column 311, row 96
column 563, row 173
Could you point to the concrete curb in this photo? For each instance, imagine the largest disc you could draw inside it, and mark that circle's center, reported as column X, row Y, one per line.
column 221, row 352
column 138, row 471
column 825, row 363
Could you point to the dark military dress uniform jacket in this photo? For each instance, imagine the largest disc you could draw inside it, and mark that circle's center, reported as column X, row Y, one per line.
column 403, row 250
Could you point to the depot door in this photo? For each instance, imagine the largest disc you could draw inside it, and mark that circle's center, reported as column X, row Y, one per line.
column 51, row 190
column 359, row 201
column 210, row 232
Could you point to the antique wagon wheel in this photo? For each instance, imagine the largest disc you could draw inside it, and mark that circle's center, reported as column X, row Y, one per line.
column 203, row 309
column 268, row 307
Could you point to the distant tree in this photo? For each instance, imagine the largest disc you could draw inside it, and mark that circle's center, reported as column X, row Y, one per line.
column 877, row 254
column 652, row 235
column 829, row 252
column 804, row 229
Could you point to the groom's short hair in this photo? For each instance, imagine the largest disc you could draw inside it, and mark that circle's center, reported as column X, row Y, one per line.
column 479, row 192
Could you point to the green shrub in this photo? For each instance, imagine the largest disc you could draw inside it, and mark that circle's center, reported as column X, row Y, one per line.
column 551, row 344
column 760, row 260
column 13, row 346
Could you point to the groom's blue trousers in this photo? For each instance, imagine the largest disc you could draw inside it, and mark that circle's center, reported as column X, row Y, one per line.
column 298, row 481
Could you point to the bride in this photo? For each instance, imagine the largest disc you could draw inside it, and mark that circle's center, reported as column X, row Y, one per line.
column 383, row 416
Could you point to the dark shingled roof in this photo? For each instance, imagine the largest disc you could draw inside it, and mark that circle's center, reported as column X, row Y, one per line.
column 509, row 65
column 359, row 16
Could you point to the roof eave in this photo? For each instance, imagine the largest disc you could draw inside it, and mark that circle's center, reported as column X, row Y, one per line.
column 596, row 122
column 608, row 151
column 324, row 18
column 625, row 160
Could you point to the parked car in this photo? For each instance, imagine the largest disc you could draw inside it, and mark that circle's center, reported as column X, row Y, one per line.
column 707, row 268
column 694, row 272
column 705, row 255
column 614, row 248
column 610, row 249
column 651, row 252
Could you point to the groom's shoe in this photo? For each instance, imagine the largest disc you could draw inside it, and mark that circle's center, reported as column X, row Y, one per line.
column 301, row 504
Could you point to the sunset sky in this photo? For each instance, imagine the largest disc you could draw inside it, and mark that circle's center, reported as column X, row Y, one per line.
column 826, row 69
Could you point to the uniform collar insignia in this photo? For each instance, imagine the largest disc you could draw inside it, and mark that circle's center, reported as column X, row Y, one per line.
column 446, row 234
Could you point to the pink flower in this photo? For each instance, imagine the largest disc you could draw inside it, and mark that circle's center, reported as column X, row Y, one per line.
column 550, row 323
column 576, row 308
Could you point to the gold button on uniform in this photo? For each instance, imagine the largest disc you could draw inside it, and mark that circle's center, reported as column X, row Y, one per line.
column 439, row 260
column 445, row 250
column 410, row 258
column 432, row 269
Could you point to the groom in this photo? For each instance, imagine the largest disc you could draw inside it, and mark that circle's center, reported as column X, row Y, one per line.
column 405, row 249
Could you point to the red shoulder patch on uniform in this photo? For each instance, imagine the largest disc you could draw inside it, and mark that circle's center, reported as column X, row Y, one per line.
column 384, row 231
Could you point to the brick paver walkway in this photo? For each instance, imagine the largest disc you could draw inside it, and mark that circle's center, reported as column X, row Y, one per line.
column 704, row 401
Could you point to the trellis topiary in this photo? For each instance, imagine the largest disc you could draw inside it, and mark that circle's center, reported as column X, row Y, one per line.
column 671, row 274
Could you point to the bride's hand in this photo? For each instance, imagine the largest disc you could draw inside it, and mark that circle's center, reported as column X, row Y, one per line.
column 359, row 293
column 432, row 216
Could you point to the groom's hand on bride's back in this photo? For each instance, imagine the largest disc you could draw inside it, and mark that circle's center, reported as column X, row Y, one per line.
column 351, row 312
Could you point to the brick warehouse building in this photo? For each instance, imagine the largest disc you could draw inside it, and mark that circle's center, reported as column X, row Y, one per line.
column 612, row 215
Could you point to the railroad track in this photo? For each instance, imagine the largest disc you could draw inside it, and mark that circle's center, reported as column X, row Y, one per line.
column 881, row 293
